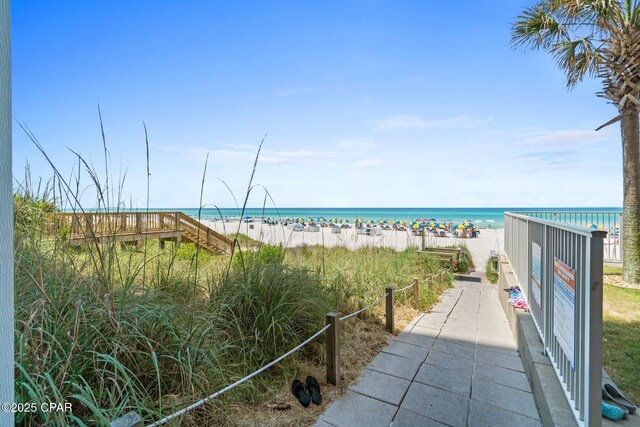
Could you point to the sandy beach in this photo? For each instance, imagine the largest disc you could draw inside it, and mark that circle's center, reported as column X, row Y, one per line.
column 480, row 247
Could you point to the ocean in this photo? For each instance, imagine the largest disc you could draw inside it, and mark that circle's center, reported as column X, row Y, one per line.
column 481, row 217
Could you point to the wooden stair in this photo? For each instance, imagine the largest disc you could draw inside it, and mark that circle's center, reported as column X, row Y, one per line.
column 102, row 227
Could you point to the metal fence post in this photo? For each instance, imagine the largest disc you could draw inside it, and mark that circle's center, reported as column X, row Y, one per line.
column 593, row 350
column 333, row 348
column 390, row 309
column 416, row 291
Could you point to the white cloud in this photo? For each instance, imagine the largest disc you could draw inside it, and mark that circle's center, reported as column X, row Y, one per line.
column 369, row 162
column 409, row 121
column 565, row 138
column 246, row 154
column 361, row 143
column 295, row 91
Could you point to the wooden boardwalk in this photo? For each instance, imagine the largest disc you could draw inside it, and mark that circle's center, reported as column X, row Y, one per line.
column 136, row 227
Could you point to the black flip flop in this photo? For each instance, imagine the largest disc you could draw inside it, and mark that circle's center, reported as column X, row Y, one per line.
column 609, row 392
column 297, row 388
column 314, row 390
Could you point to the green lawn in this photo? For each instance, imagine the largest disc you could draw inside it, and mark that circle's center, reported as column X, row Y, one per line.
column 622, row 338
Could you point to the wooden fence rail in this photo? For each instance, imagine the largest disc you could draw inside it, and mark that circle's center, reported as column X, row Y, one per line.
column 135, row 227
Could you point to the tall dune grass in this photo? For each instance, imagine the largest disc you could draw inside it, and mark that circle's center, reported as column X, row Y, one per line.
column 114, row 329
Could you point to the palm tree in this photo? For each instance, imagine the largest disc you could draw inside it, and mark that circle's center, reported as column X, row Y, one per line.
column 599, row 38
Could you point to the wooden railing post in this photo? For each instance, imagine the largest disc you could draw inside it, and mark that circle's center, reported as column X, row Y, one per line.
column 178, row 237
column 423, row 238
column 390, row 309
column 87, row 226
column 333, row 348
column 416, row 291
column 208, row 237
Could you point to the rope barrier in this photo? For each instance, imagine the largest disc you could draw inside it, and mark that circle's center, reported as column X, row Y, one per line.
column 284, row 356
column 431, row 276
column 248, row 377
column 364, row 309
column 403, row 289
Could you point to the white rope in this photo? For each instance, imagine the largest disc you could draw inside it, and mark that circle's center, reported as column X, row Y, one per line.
column 248, row 377
column 366, row 308
column 431, row 276
column 403, row 289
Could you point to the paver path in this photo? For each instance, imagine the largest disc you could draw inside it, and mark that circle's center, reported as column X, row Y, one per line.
column 457, row 365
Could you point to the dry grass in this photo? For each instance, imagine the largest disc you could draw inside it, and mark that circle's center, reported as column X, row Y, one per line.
column 361, row 341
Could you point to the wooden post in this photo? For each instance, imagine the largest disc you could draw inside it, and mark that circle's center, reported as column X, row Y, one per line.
column 88, row 227
column 416, row 291
column 138, row 223
column 333, row 348
column 178, row 238
column 208, row 237
column 390, row 309
column 423, row 237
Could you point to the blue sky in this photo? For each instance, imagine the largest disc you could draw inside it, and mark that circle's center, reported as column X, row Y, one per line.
column 364, row 103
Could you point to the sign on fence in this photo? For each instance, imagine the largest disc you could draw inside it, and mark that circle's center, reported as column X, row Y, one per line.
column 564, row 286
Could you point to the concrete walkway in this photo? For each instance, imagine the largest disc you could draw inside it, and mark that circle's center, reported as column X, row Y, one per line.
column 456, row 365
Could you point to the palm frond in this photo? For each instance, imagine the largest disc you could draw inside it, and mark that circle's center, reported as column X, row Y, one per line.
column 578, row 58
column 537, row 28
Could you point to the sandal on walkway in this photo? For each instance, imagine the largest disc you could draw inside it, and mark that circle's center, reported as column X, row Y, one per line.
column 314, row 390
column 297, row 388
column 610, row 392
column 613, row 412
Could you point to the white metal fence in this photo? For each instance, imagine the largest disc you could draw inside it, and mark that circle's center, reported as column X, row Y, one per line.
column 611, row 222
column 559, row 269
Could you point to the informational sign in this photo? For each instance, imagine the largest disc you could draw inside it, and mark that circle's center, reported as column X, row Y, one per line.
column 536, row 268
column 564, row 313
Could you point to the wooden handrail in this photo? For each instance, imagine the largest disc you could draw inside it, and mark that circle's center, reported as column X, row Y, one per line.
column 93, row 224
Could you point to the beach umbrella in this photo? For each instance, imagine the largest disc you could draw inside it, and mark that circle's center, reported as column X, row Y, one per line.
column 442, row 226
column 433, row 224
column 358, row 221
column 321, row 219
column 370, row 221
column 311, row 219
column 300, row 219
column 595, row 227
column 399, row 222
column 459, row 226
column 384, row 221
column 344, row 221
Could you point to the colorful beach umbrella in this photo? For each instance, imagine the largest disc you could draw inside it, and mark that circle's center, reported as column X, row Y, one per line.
column 399, row 222
column 344, row 221
column 321, row 219
column 358, row 221
column 384, row 221
column 595, row 227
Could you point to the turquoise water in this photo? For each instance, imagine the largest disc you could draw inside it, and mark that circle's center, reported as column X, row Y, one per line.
column 481, row 217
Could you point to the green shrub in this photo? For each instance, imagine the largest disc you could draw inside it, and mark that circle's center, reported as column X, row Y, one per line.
column 266, row 254
column 492, row 275
column 271, row 307
column 188, row 251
